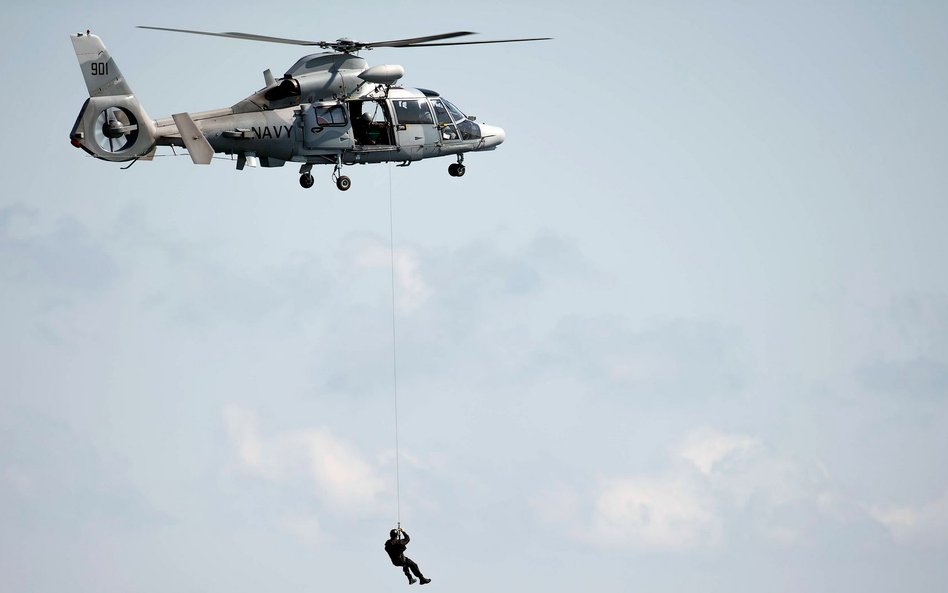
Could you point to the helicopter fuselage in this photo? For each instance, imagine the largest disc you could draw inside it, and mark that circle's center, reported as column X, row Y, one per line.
column 390, row 124
column 329, row 108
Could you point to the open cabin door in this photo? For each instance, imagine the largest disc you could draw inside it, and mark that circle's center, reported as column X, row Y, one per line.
column 371, row 124
column 326, row 127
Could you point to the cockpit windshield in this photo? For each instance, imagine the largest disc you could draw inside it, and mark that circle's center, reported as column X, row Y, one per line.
column 445, row 111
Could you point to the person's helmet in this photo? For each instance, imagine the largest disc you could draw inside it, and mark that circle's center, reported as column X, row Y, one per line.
column 393, row 533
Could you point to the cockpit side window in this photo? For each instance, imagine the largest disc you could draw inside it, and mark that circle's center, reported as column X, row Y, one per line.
column 334, row 115
column 441, row 112
column 448, row 130
column 412, row 111
column 455, row 112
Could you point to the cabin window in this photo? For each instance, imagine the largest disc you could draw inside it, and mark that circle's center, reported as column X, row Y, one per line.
column 412, row 111
column 331, row 116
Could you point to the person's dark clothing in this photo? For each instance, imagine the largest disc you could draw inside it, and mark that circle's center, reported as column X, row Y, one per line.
column 395, row 548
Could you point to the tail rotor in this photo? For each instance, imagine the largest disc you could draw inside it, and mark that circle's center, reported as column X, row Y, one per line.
column 116, row 129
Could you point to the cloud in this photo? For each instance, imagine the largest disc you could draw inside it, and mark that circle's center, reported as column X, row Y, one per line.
column 714, row 485
column 668, row 513
column 470, row 308
column 674, row 358
column 338, row 469
column 913, row 340
column 242, row 427
column 342, row 477
column 741, row 470
column 926, row 523
column 411, row 290
column 707, row 448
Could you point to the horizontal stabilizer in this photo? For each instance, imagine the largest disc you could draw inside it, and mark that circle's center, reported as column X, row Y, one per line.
column 198, row 147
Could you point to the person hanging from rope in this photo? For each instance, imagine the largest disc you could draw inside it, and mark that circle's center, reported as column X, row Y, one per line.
column 395, row 547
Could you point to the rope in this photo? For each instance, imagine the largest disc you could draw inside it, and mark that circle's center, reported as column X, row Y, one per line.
column 391, row 236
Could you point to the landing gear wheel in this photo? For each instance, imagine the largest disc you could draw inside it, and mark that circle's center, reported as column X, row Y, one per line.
column 456, row 170
column 306, row 180
column 343, row 183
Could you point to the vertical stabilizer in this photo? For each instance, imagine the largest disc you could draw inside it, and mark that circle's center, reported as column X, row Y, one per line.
column 103, row 78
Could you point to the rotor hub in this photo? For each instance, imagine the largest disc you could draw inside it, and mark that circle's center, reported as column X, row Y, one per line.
column 346, row 45
column 113, row 129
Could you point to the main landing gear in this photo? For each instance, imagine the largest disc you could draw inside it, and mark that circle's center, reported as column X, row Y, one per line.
column 307, row 181
column 457, row 169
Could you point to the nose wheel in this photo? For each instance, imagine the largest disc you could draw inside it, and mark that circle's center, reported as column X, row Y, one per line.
column 343, row 183
column 306, row 180
column 457, row 169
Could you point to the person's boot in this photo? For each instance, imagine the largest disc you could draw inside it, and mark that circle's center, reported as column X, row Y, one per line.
column 425, row 581
column 411, row 580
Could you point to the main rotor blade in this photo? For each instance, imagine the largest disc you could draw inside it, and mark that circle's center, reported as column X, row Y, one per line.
column 476, row 42
column 247, row 36
column 417, row 40
column 349, row 45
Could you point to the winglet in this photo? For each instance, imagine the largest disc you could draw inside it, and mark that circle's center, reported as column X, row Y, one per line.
column 198, row 147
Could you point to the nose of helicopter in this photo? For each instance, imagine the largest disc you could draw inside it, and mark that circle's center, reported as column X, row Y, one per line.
column 492, row 135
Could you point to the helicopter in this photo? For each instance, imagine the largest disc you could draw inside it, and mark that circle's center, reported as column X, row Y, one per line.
column 328, row 108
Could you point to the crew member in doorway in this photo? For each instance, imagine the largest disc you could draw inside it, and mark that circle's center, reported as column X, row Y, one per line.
column 395, row 548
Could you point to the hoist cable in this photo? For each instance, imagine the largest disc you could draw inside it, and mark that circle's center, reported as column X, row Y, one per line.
column 391, row 237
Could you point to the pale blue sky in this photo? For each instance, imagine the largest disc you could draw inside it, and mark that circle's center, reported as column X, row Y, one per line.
column 687, row 329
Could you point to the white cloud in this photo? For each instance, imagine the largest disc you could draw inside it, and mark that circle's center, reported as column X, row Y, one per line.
column 412, row 291
column 707, row 448
column 242, row 427
column 665, row 513
column 924, row 523
column 714, row 481
column 342, row 476
column 739, row 467
column 338, row 469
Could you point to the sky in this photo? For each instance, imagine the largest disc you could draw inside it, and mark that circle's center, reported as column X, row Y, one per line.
column 685, row 330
